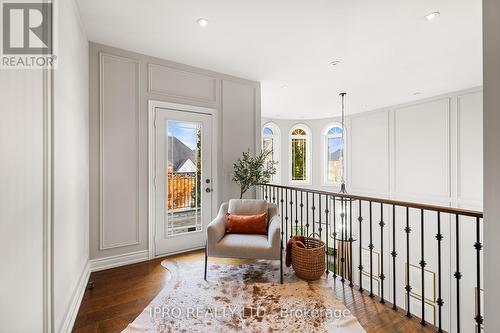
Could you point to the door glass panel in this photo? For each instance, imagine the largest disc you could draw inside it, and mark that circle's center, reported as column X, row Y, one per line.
column 183, row 168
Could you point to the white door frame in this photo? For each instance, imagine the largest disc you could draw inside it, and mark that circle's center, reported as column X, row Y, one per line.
column 152, row 105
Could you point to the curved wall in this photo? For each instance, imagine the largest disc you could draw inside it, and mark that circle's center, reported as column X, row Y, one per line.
column 429, row 151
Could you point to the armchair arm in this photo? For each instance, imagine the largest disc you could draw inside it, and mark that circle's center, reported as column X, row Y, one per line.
column 217, row 228
column 274, row 232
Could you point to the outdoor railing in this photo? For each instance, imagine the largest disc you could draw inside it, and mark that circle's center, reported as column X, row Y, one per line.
column 406, row 232
column 182, row 190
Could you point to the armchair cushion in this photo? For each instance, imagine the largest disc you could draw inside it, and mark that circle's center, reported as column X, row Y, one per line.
column 247, row 224
column 247, row 207
column 243, row 246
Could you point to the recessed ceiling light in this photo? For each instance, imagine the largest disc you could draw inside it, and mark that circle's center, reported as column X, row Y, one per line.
column 284, row 86
column 202, row 22
column 432, row 16
column 335, row 62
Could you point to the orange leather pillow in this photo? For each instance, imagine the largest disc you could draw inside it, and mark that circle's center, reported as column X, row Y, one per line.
column 247, row 224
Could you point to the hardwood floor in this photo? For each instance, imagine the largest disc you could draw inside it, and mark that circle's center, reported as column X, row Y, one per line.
column 120, row 294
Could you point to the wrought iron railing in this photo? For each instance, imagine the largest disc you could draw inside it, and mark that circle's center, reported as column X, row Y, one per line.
column 339, row 217
column 182, row 190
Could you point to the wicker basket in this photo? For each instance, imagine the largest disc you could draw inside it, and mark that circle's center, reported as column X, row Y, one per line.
column 309, row 262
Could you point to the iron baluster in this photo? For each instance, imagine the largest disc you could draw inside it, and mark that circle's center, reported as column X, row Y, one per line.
column 440, row 303
column 342, row 247
column 370, row 246
column 382, row 276
column 458, row 274
column 301, row 213
column 307, row 213
column 313, row 209
column 408, row 287
column 422, row 265
column 291, row 212
column 282, row 224
column 360, row 267
column 394, row 254
column 319, row 216
column 296, row 213
column 350, row 244
column 478, row 246
column 335, row 254
column 327, row 213
column 286, row 213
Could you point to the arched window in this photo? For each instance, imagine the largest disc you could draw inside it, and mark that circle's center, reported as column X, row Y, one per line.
column 334, row 153
column 300, row 154
column 271, row 142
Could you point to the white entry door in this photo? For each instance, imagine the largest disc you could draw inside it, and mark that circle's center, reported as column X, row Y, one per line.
column 183, row 180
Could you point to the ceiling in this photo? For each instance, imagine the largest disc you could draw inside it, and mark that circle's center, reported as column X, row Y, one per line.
column 388, row 52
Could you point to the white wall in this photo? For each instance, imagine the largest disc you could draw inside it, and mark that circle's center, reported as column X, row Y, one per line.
column 71, row 167
column 44, row 187
column 428, row 151
column 240, row 129
column 21, row 200
column 121, row 84
column 491, row 42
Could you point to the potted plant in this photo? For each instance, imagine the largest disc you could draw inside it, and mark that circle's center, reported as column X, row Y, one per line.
column 251, row 170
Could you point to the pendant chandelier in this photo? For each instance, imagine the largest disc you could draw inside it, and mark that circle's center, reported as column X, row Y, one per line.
column 343, row 204
column 343, row 234
column 342, row 179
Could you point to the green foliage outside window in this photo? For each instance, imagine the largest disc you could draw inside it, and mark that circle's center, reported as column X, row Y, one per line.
column 299, row 159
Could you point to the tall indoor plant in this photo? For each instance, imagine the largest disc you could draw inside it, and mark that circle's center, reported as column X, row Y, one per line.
column 251, row 170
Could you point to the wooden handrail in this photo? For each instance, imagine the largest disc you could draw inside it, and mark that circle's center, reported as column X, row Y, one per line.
column 435, row 208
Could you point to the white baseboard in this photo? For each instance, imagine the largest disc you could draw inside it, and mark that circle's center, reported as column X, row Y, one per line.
column 69, row 320
column 118, row 260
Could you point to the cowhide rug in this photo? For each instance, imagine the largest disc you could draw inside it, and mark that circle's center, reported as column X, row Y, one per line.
column 243, row 298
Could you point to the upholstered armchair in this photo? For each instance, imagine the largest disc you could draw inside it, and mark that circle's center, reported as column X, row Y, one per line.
column 245, row 246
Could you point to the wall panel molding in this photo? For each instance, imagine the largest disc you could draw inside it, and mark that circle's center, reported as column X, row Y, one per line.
column 422, row 117
column 47, row 199
column 133, row 150
column 372, row 130
column 468, row 123
column 178, row 83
